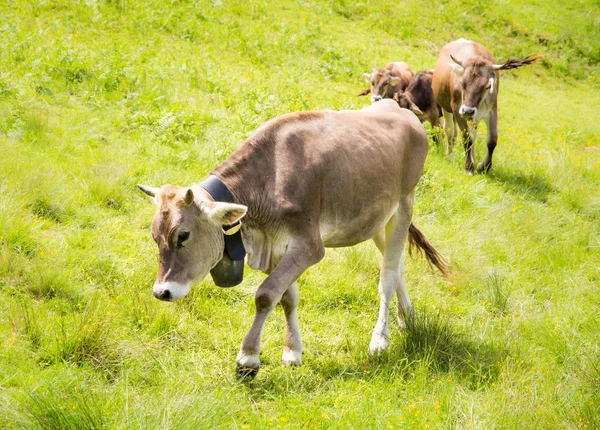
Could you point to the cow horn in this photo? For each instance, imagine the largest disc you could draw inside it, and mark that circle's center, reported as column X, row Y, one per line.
column 456, row 61
column 151, row 191
column 189, row 197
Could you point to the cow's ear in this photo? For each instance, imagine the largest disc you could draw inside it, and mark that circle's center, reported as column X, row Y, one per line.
column 225, row 213
column 456, row 68
column 367, row 76
column 394, row 80
column 151, row 191
column 413, row 107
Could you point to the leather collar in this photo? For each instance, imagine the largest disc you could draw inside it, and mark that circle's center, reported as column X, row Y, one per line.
column 234, row 246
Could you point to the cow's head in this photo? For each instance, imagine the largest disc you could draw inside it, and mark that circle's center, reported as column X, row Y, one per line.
column 380, row 80
column 477, row 79
column 187, row 228
column 405, row 101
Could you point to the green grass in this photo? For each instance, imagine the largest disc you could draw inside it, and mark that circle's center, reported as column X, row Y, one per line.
column 98, row 96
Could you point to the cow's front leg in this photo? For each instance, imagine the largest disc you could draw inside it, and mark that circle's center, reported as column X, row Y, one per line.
column 491, row 121
column 292, row 344
column 296, row 260
column 469, row 134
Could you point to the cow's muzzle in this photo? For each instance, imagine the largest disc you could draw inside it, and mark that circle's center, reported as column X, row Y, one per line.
column 467, row 111
column 375, row 98
column 170, row 291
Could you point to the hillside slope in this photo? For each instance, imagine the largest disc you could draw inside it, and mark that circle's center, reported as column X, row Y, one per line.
column 97, row 96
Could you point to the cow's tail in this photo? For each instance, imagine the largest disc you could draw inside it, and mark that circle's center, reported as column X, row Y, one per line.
column 434, row 258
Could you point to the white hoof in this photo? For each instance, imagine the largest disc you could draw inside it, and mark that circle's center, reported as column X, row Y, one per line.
column 378, row 345
column 247, row 361
column 291, row 357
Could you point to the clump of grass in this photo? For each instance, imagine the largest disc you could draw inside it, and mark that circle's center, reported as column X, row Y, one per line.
column 18, row 233
column 44, row 209
column 498, row 293
column 45, row 281
column 84, row 339
column 24, row 319
column 429, row 339
column 66, row 408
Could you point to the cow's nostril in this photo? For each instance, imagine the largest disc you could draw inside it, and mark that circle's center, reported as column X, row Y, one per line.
column 162, row 294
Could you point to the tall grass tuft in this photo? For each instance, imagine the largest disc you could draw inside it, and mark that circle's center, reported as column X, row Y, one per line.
column 84, row 339
column 65, row 407
column 429, row 339
column 498, row 293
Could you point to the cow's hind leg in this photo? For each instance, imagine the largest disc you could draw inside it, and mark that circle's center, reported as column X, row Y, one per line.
column 292, row 344
column 392, row 274
column 434, row 119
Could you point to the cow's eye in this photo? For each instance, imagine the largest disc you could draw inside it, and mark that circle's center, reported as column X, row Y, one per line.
column 183, row 236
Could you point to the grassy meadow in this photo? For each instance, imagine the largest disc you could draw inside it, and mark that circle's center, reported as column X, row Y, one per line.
column 97, row 96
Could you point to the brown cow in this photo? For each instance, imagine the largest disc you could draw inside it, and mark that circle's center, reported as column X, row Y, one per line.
column 302, row 182
column 466, row 84
column 418, row 97
column 387, row 81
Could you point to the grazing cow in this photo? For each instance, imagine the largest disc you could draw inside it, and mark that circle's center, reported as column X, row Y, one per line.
column 302, row 182
column 466, row 82
column 418, row 97
column 387, row 81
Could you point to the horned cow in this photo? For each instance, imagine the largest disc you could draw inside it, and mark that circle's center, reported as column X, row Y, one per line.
column 466, row 82
column 387, row 81
column 302, row 182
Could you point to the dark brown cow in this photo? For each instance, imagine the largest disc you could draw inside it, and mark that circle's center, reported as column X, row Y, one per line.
column 301, row 182
column 387, row 81
column 418, row 97
column 466, row 84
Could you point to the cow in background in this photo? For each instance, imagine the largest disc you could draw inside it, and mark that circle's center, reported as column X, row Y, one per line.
column 466, row 82
column 386, row 82
column 418, row 97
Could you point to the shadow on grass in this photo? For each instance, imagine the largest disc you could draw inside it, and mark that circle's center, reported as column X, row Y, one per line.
column 429, row 341
column 533, row 186
column 428, row 345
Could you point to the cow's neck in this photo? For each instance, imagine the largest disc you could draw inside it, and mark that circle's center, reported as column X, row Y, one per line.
column 249, row 176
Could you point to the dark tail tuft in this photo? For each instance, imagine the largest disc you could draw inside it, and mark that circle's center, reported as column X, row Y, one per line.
column 513, row 64
column 415, row 237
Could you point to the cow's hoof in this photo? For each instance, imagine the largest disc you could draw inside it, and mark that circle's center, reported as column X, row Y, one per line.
column 291, row 358
column 246, row 373
column 378, row 345
column 483, row 169
column 247, row 366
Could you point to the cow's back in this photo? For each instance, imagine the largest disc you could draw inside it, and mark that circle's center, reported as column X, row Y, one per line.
column 420, row 90
column 445, row 83
column 347, row 168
